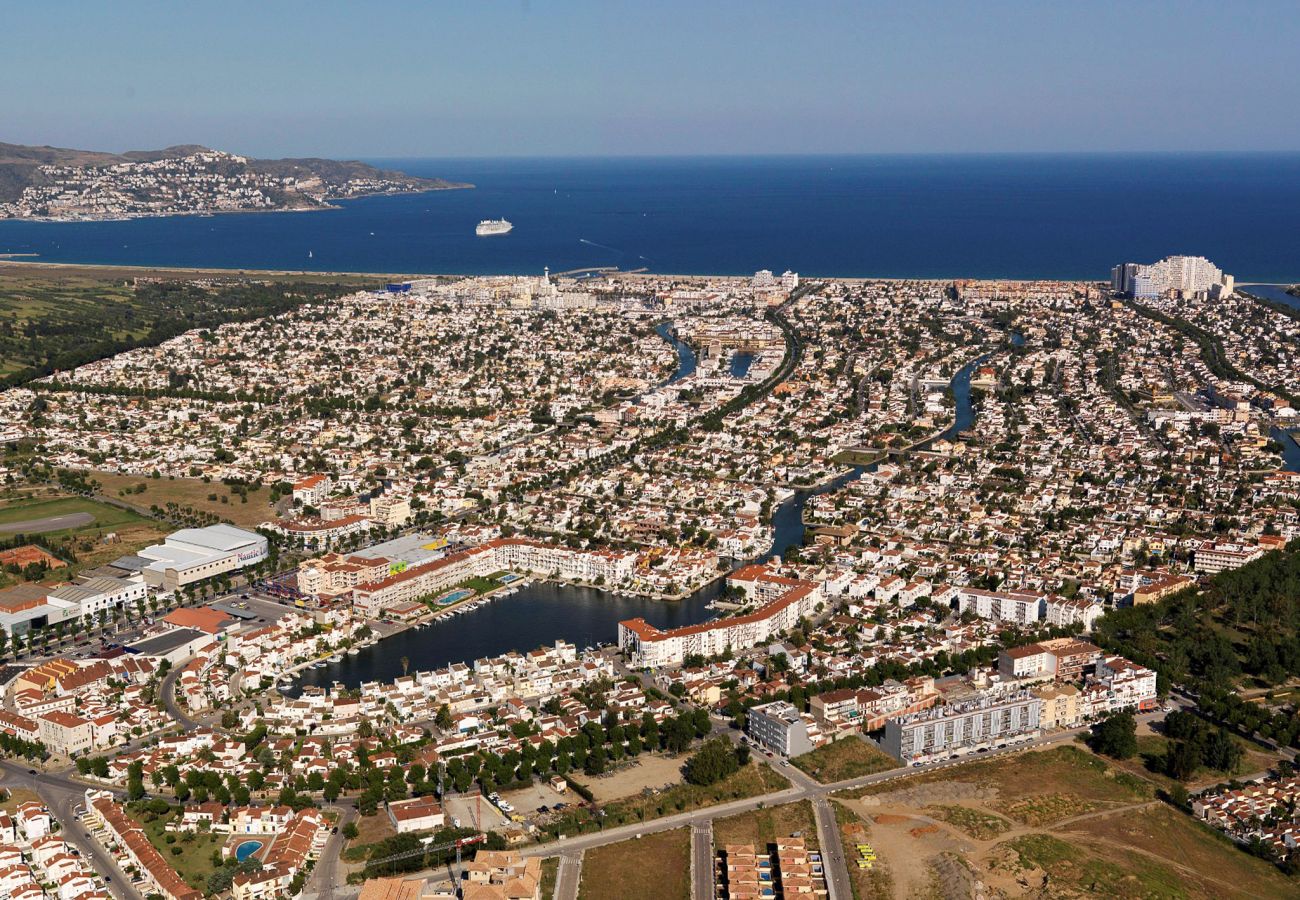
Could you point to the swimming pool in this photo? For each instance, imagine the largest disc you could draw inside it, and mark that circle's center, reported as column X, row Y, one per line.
column 247, row 849
column 454, row 597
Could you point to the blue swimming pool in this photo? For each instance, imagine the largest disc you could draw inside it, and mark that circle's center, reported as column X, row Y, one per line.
column 247, row 849
column 454, row 597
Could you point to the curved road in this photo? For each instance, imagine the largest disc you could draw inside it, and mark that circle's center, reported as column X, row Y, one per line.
column 63, row 795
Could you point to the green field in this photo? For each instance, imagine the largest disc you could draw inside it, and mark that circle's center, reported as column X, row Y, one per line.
column 761, row 827
column 105, row 516
column 110, row 533
column 194, row 861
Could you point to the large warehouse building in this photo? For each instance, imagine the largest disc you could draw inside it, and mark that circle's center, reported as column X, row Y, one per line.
column 194, row 554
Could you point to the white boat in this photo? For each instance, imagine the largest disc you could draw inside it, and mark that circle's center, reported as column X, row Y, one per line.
column 353, row 651
column 490, row 227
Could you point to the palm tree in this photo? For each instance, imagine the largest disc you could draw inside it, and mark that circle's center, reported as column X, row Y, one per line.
column 406, row 664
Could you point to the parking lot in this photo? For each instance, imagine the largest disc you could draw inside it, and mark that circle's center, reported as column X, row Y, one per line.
column 474, row 812
column 260, row 605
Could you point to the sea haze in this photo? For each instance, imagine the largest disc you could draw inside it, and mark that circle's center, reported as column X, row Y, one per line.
column 1032, row 216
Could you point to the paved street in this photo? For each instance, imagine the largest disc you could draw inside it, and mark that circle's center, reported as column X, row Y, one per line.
column 63, row 795
column 569, row 876
column 833, row 861
column 702, row 860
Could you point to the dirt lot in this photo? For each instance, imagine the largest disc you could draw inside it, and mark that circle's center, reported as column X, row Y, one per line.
column 475, row 814
column 655, row 867
column 1059, row 822
column 646, row 771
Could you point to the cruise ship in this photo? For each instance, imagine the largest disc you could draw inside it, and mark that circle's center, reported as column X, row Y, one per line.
column 492, row 226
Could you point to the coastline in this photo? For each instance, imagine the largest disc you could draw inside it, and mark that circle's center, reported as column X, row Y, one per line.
column 33, row 260
column 326, row 203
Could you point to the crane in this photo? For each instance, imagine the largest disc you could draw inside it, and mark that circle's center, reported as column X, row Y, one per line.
column 426, row 849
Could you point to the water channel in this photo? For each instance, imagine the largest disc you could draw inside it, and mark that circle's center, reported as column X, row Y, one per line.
column 544, row 612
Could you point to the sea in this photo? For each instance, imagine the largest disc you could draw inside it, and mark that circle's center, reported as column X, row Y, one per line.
column 903, row 216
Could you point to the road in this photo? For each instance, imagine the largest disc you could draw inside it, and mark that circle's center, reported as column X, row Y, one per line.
column 803, row 788
column 834, row 863
column 325, row 877
column 702, row 861
column 62, row 795
column 569, row 876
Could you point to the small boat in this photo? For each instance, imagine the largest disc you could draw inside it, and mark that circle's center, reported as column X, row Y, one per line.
column 353, row 651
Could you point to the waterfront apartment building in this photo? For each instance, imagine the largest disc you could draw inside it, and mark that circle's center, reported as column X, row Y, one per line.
column 1185, row 275
column 516, row 554
column 789, row 600
column 959, row 727
column 781, row 728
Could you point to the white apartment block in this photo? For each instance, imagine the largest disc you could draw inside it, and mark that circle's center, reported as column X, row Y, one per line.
column 781, row 728
column 1014, row 607
column 1213, row 557
column 650, row 647
column 944, row 730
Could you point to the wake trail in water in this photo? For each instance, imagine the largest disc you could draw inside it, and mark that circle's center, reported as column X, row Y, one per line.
column 602, row 246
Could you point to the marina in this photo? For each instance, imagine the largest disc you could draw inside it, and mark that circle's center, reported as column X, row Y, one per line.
column 538, row 613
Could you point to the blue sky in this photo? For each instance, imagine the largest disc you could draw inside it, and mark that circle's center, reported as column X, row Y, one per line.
column 391, row 78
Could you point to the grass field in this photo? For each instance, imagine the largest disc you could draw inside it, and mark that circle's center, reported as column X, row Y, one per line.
column 192, row 492
column 90, row 543
column 194, row 861
column 977, row 823
column 26, row 509
column 1039, row 788
column 1151, row 753
column 655, row 867
column 1196, row 852
column 90, row 312
column 849, row 757
column 761, row 827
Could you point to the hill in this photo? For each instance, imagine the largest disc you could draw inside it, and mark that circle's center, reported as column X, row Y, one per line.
column 62, row 183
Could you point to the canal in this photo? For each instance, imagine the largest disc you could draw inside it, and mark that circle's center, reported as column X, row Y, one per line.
column 686, row 361
column 544, row 612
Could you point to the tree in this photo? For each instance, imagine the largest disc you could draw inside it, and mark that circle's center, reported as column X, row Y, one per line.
column 350, row 831
column 1115, row 736
column 443, row 719
column 712, row 762
column 596, row 761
